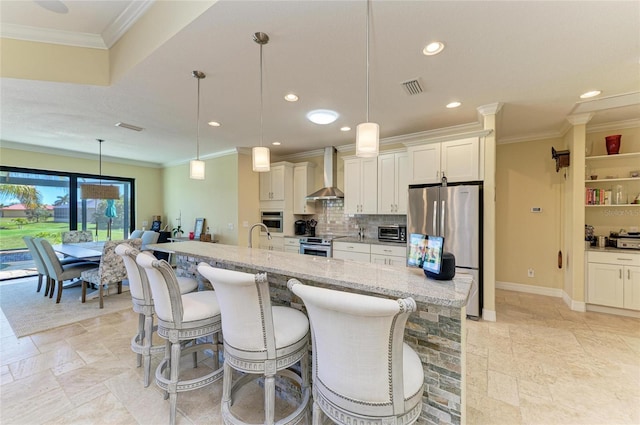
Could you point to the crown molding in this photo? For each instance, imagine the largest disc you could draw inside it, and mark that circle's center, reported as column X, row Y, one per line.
column 619, row 125
column 302, row 155
column 43, row 35
column 490, row 109
column 76, row 155
column 126, row 20
column 580, row 119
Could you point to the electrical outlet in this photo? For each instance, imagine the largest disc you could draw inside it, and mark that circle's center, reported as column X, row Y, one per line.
column 530, row 273
column 245, row 224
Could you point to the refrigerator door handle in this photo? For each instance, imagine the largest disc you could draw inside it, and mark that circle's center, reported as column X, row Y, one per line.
column 435, row 215
column 442, row 211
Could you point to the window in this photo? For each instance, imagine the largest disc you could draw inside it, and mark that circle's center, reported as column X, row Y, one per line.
column 45, row 203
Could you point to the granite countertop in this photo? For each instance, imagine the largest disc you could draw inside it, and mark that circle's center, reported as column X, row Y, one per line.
column 393, row 281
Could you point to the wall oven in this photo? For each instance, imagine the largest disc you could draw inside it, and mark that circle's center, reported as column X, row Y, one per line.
column 273, row 220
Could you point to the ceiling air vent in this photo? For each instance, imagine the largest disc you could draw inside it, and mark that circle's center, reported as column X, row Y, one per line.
column 412, row 87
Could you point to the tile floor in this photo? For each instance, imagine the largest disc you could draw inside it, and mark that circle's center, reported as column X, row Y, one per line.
column 540, row 363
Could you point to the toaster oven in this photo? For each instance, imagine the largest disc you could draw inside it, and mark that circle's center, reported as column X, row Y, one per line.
column 392, row 233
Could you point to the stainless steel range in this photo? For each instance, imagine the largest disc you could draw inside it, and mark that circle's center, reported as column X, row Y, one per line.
column 320, row 246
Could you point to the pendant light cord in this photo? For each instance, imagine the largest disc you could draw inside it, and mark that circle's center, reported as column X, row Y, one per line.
column 367, row 26
column 198, row 124
column 261, row 97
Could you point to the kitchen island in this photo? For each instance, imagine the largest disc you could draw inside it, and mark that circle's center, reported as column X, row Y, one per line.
column 436, row 331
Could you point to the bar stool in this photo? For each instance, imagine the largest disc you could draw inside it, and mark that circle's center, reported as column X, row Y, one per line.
column 187, row 317
column 259, row 340
column 363, row 372
column 141, row 343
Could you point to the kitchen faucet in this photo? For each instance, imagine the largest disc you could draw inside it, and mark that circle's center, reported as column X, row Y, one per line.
column 256, row 225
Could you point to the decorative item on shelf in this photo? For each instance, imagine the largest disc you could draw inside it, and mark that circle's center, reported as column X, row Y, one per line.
column 261, row 156
column 177, row 231
column 367, row 133
column 206, row 237
column 634, row 174
column 196, row 167
column 561, row 157
column 197, row 229
column 613, row 144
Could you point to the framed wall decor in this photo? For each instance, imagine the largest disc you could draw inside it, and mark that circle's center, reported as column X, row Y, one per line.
column 197, row 230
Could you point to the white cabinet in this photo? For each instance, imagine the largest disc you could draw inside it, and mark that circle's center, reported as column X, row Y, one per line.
column 393, row 183
column 303, row 185
column 274, row 244
column 292, row 245
column 361, row 186
column 613, row 279
column 458, row 160
column 389, row 255
column 352, row 251
column 275, row 183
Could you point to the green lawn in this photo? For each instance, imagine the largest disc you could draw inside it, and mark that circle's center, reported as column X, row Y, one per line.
column 11, row 234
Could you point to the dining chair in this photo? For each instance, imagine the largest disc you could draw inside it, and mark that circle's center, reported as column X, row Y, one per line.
column 41, row 268
column 75, row 236
column 110, row 271
column 149, row 237
column 56, row 270
column 136, row 234
column 260, row 339
column 181, row 317
column 363, row 371
column 142, row 342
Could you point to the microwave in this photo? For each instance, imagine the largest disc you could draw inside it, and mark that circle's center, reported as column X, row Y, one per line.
column 392, row 233
column 273, row 220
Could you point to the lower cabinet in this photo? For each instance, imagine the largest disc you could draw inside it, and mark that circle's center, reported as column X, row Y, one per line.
column 613, row 279
column 389, row 255
column 273, row 244
column 352, row 251
column 292, row 245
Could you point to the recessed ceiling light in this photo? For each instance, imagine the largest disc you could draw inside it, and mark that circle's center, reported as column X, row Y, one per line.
column 433, row 48
column 214, row 124
column 453, row 105
column 345, row 128
column 589, row 94
column 322, row 116
column 129, row 126
column 276, row 143
column 291, row 97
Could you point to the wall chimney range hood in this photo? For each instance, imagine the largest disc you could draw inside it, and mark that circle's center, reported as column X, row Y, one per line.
column 329, row 191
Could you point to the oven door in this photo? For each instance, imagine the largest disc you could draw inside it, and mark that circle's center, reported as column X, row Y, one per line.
column 318, row 250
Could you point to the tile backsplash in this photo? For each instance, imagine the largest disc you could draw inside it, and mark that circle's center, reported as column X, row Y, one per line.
column 333, row 221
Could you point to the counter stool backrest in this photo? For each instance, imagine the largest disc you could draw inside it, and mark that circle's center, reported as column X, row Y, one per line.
column 357, row 346
column 138, row 284
column 165, row 290
column 245, row 307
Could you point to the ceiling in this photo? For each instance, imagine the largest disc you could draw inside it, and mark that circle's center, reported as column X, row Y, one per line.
column 533, row 57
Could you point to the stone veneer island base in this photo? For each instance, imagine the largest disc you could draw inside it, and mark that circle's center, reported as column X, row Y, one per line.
column 436, row 331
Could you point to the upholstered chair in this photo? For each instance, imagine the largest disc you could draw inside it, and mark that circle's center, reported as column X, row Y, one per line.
column 41, row 268
column 111, row 270
column 75, row 236
column 190, row 317
column 149, row 237
column 136, row 234
column 259, row 340
column 56, row 270
column 363, row 372
column 142, row 342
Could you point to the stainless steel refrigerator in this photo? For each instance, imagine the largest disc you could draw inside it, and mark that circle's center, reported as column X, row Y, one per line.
column 454, row 212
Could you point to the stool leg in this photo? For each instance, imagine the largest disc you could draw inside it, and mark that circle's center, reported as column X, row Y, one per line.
column 140, row 338
column 269, row 399
column 173, row 384
column 227, row 376
column 167, row 369
column 148, row 342
column 317, row 414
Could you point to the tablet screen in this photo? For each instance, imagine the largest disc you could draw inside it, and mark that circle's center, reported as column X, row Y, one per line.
column 432, row 260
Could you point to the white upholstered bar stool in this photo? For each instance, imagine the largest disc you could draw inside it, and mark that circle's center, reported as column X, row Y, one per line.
column 187, row 317
column 363, row 372
column 259, row 340
column 141, row 343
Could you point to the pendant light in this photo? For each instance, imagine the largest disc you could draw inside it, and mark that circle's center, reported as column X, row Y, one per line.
column 261, row 157
column 99, row 191
column 367, row 133
column 196, row 167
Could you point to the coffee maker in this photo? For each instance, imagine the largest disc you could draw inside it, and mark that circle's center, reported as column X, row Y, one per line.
column 300, row 227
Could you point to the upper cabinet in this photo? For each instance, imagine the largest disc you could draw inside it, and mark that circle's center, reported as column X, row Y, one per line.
column 276, row 186
column 458, row 160
column 303, row 185
column 360, row 185
column 393, row 182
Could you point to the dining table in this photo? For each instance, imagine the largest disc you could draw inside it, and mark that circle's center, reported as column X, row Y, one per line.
column 85, row 251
